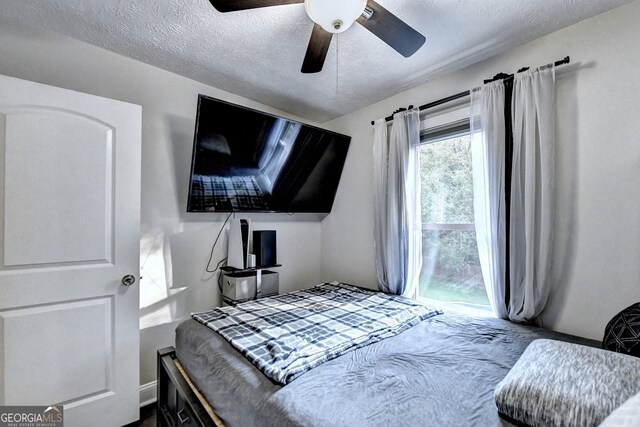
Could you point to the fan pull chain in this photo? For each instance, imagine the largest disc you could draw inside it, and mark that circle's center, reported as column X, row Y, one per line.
column 337, row 61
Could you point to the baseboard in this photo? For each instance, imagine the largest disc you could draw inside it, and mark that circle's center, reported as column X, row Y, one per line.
column 148, row 394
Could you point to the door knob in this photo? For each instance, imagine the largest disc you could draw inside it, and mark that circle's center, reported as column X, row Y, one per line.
column 129, row 280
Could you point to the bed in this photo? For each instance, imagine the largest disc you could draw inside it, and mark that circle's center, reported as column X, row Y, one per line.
column 441, row 371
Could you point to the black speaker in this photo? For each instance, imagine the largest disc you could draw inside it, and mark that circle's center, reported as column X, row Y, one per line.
column 264, row 247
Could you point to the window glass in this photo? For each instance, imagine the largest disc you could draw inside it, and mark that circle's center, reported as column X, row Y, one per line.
column 451, row 267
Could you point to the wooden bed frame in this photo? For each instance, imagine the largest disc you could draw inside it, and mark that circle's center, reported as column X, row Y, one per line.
column 179, row 401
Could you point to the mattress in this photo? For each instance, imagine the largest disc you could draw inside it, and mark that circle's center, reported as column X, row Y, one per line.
column 441, row 372
column 286, row 335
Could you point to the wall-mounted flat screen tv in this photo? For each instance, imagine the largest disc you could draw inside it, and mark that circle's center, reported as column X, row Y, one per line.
column 249, row 161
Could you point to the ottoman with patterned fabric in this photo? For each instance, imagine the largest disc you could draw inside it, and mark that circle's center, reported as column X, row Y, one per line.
column 622, row 333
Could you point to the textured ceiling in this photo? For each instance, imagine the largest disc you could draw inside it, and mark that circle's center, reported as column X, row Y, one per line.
column 258, row 53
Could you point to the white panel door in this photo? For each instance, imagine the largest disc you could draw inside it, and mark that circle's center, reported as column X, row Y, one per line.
column 69, row 233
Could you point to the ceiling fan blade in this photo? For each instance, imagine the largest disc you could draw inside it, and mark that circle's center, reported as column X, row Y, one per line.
column 317, row 50
column 234, row 5
column 392, row 30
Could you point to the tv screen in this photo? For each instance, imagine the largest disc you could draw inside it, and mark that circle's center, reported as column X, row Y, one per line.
column 249, row 161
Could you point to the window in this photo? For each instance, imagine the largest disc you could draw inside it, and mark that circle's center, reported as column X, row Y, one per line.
column 451, row 267
column 278, row 147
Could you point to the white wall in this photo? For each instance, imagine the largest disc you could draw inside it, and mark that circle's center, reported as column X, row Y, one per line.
column 597, row 251
column 174, row 248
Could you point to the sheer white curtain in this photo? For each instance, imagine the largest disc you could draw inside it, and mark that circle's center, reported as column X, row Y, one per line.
column 532, row 192
column 488, row 154
column 397, row 227
column 380, row 156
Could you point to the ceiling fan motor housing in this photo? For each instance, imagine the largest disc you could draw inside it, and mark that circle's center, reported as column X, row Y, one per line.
column 334, row 16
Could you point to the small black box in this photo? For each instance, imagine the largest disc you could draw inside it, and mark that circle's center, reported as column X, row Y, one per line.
column 264, row 247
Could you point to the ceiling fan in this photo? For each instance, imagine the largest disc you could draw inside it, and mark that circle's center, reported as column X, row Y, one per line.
column 335, row 16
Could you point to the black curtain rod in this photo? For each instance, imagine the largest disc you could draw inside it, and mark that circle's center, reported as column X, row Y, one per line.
column 500, row 76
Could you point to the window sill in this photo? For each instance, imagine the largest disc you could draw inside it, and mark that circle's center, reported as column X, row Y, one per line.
column 459, row 307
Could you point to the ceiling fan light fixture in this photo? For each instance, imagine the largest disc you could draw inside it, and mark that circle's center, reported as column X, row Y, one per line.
column 334, row 16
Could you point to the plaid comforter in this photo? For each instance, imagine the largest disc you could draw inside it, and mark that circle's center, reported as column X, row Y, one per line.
column 286, row 335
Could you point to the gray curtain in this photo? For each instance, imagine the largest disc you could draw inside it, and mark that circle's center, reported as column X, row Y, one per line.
column 397, row 226
column 532, row 192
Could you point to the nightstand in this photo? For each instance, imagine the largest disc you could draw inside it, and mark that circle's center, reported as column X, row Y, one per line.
column 245, row 284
